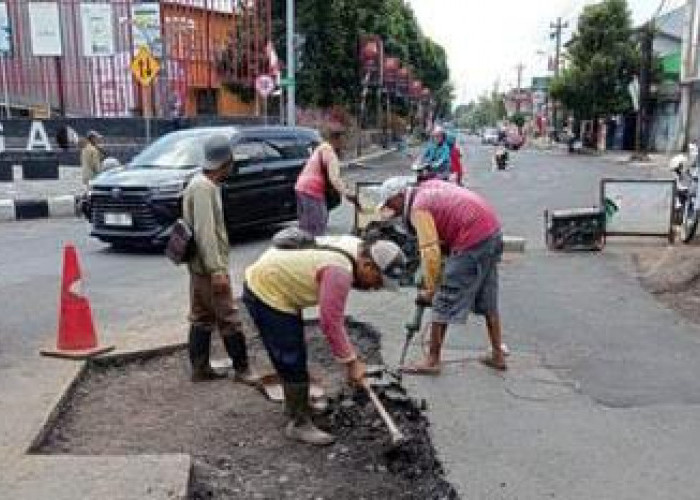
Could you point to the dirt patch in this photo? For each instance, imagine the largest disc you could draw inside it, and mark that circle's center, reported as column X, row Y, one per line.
column 235, row 438
column 672, row 275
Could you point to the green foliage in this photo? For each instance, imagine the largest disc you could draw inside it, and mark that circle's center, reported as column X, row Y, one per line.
column 486, row 111
column 518, row 119
column 329, row 72
column 603, row 58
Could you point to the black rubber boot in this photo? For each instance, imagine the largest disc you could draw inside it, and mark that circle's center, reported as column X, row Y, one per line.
column 199, row 343
column 301, row 427
column 234, row 343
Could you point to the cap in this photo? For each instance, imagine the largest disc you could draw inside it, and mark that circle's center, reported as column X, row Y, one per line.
column 391, row 187
column 390, row 260
column 94, row 134
column 217, row 151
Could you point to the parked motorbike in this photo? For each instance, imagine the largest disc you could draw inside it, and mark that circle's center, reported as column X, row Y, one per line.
column 687, row 203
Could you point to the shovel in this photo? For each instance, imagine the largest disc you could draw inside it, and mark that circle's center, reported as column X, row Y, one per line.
column 397, row 438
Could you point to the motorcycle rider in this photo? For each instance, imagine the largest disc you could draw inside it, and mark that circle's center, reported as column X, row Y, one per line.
column 437, row 156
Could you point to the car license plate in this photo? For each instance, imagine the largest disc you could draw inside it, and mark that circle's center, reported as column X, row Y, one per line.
column 118, row 219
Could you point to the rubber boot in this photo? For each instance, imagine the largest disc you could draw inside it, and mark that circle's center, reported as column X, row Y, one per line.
column 301, row 427
column 234, row 343
column 198, row 347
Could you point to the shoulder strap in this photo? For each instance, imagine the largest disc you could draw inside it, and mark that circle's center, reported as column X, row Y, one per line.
column 410, row 199
column 340, row 251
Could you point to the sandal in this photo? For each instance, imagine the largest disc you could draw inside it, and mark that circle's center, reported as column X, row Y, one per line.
column 421, row 369
column 488, row 361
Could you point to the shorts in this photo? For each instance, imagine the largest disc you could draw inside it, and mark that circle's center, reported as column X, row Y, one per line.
column 282, row 335
column 469, row 283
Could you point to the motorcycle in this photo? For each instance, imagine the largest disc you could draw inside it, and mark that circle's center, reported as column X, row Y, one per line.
column 687, row 203
column 500, row 158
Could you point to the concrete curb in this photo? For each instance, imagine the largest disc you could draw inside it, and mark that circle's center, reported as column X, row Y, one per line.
column 38, row 208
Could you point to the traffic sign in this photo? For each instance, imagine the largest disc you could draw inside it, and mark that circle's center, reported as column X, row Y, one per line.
column 144, row 66
column 264, row 84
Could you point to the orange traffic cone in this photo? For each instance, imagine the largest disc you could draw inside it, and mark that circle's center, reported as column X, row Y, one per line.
column 77, row 338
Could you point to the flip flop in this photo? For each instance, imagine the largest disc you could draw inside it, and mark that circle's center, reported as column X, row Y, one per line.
column 488, row 361
column 418, row 369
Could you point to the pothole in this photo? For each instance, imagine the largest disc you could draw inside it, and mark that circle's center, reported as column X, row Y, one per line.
column 148, row 406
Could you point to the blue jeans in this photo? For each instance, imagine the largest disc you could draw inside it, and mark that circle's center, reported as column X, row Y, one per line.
column 283, row 337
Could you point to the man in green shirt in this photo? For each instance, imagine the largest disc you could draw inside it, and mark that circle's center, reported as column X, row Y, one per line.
column 211, row 301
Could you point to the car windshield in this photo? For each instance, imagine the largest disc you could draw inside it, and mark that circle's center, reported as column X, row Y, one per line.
column 179, row 150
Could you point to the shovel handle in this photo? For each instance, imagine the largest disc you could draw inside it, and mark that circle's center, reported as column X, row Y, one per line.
column 396, row 435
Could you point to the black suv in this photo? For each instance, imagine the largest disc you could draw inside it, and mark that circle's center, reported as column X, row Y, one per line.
column 135, row 205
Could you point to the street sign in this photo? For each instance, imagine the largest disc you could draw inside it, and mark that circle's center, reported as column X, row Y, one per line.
column 264, row 84
column 144, row 66
column 287, row 82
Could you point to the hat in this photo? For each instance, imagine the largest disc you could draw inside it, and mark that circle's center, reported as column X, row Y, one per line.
column 390, row 260
column 94, row 134
column 391, row 187
column 217, row 152
column 438, row 130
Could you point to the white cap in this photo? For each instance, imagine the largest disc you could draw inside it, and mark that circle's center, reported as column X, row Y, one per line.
column 391, row 187
column 390, row 260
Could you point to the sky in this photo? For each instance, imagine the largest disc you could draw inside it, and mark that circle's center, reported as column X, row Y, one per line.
column 485, row 40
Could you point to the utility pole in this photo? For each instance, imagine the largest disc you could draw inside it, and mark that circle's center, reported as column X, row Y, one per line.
column 555, row 35
column 690, row 54
column 291, row 67
column 642, row 132
column 520, row 67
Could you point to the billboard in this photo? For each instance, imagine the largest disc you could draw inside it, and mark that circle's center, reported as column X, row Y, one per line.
column 5, row 30
column 97, row 29
column 146, row 27
column 45, row 29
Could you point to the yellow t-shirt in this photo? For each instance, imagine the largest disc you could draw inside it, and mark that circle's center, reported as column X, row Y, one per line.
column 286, row 280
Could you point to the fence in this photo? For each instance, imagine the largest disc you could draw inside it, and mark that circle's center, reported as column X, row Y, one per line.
column 73, row 56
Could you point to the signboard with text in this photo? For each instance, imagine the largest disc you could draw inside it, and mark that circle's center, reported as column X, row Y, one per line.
column 45, row 29
column 98, row 29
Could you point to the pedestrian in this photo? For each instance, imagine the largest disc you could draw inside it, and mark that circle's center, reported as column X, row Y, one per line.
column 211, row 301
column 91, row 156
column 456, row 169
column 284, row 282
column 437, row 156
column 320, row 184
column 466, row 227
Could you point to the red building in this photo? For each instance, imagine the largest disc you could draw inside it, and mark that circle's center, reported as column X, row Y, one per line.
column 74, row 56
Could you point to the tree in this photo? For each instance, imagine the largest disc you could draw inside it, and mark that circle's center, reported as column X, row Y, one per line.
column 603, row 58
column 329, row 72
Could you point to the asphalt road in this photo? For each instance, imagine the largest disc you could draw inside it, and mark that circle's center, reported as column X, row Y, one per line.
column 614, row 372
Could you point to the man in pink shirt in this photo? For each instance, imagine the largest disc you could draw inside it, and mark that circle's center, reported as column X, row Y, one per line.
column 465, row 227
column 321, row 173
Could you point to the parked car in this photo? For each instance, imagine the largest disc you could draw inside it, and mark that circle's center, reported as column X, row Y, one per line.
column 489, row 136
column 136, row 205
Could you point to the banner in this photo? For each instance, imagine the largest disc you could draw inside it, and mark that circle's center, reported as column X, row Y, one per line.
column 98, row 29
column 146, row 28
column 5, row 30
column 45, row 29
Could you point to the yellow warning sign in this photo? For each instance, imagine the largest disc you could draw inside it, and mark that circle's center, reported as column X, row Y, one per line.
column 144, row 66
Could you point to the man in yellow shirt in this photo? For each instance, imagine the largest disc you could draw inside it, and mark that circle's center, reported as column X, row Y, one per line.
column 282, row 283
column 91, row 156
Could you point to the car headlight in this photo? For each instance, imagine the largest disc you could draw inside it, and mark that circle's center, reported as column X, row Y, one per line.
column 169, row 188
